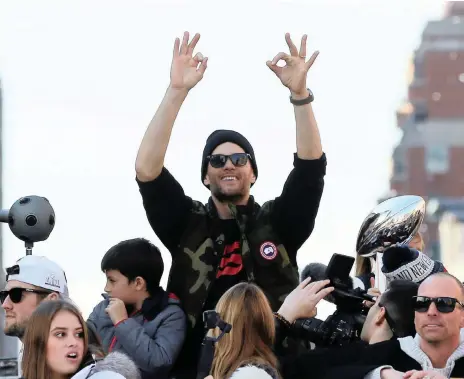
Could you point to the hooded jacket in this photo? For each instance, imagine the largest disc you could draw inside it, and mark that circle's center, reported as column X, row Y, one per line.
column 152, row 337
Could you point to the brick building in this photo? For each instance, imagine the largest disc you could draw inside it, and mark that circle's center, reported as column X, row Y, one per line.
column 429, row 160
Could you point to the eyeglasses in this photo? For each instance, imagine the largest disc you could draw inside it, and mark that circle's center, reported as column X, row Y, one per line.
column 220, row 160
column 443, row 304
column 16, row 294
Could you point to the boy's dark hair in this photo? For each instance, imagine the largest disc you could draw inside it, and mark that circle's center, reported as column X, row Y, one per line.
column 136, row 257
column 398, row 304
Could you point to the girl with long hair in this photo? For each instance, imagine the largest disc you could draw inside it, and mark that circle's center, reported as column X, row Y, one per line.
column 246, row 351
column 56, row 347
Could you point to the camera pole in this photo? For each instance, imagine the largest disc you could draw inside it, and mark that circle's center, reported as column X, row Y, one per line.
column 29, row 246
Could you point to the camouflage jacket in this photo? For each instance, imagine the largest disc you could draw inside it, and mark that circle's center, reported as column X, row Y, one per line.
column 271, row 234
column 265, row 258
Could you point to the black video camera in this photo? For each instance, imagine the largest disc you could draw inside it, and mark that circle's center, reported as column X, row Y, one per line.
column 345, row 324
column 211, row 320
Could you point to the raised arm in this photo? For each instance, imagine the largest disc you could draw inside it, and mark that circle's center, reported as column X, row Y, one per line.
column 186, row 71
column 293, row 76
column 294, row 212
column 164, row 200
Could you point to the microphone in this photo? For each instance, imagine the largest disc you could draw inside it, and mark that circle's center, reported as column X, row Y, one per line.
column 317, row 271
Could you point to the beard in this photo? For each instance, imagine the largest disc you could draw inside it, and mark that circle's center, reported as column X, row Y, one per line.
column 15, row 330
column 223, row 197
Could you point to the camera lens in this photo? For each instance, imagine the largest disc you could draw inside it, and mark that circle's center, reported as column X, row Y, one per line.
column 31, row 220
column 24, row 200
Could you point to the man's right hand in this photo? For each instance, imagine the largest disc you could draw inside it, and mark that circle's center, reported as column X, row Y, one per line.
column 187, row 70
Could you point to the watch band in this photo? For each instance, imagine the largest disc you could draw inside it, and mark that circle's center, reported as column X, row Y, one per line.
column 308, row 100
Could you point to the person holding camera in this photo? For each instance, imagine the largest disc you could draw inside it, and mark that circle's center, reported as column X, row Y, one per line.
column 231, row 239
column 435, row 352
column 391, row 317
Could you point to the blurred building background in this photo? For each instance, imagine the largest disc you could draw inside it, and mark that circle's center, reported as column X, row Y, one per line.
column 429, row 159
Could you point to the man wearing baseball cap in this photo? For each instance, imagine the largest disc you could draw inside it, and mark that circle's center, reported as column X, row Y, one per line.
column 232, row 238
column 31, row 280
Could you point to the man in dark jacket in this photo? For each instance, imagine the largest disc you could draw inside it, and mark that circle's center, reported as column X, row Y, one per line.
column 231, row 238
column 391, row 317
column 437, row 350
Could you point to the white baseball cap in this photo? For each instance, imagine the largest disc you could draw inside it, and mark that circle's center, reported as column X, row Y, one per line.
column 40, row 272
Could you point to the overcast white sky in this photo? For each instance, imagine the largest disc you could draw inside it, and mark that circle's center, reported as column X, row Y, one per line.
column 82, row 79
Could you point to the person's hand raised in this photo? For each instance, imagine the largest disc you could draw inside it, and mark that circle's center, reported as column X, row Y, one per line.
column 293, row 74
column 302, row 301
column 187, row 70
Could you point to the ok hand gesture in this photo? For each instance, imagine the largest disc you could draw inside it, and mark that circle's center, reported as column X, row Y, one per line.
column 293, row 74
column 187, row 70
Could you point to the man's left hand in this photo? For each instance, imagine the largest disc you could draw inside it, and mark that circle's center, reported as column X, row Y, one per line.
column 116, row 310
column 293, row 74
column 429, row 374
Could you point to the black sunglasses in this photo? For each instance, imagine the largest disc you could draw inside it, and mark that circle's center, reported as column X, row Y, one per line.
column 16, row 294
column 443, row 304
column 220, row 160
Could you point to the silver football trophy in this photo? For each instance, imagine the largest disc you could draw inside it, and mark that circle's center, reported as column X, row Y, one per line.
column 31, row 219
column 393, row 222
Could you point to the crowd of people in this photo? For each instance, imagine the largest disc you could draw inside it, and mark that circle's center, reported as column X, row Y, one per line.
column 234, row 294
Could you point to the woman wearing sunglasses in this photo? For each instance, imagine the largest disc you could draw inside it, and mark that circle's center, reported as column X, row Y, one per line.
column 56, row 347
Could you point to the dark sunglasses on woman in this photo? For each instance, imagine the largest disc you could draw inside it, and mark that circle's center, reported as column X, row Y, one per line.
column 16, row 294
column 443, row 304
column 220, row 160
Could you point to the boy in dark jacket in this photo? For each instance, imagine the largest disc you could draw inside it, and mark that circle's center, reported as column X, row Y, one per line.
column 137, row 316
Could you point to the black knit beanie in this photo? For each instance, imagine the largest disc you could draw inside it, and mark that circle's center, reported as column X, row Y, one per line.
column 220, row 136
column 403, row 262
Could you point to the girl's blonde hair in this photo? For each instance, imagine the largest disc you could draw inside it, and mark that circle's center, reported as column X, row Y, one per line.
column 250, row 341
